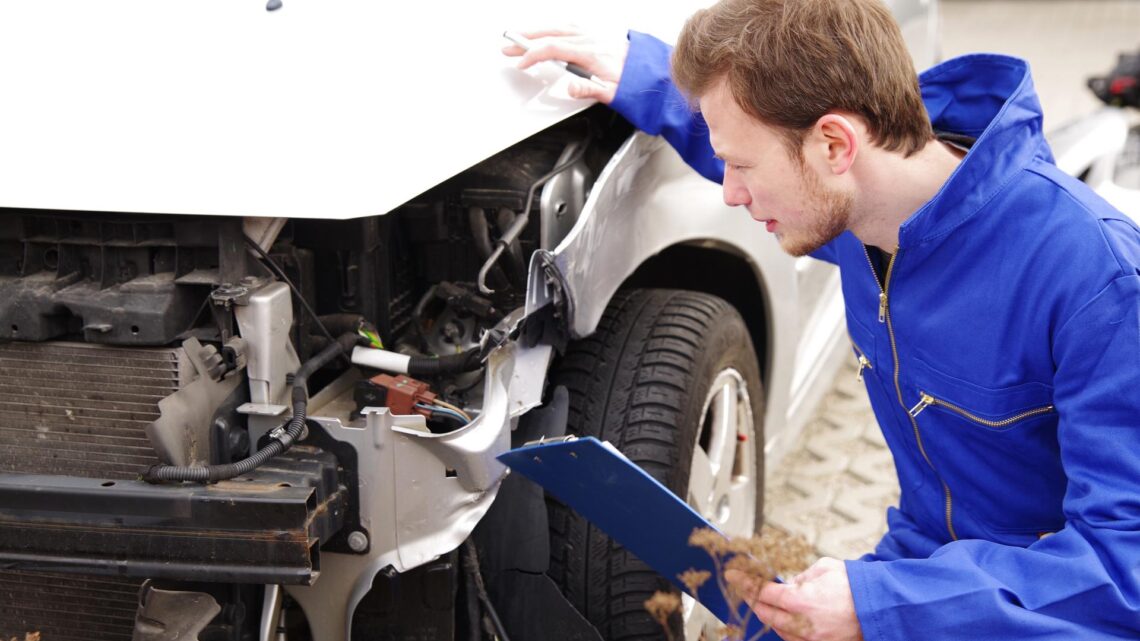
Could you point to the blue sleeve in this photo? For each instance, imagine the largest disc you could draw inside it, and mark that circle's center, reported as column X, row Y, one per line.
column 647, row 98
column 1082, row 582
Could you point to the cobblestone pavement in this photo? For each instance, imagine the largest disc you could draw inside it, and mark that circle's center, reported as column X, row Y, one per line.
column 835, row 487
column 834, row 490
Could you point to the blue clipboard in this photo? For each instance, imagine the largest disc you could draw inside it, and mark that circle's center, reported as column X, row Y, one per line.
column 633, row 508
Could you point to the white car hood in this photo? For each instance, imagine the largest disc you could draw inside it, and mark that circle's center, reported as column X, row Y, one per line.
column 321, row 109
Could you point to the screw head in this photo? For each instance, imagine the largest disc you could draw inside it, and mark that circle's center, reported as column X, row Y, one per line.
column 358, row 541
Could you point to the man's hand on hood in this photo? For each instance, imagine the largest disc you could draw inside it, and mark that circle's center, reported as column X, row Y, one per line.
column 604, row 59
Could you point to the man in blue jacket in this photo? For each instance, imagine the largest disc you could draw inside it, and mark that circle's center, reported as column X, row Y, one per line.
column 993, row 301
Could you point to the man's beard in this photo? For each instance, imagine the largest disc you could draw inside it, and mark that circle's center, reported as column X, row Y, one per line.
column 829, row 211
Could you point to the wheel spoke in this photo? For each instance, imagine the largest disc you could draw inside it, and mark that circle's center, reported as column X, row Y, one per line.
column 698, row 620
column 701, row 483
column 742, row 510
column 725, row 418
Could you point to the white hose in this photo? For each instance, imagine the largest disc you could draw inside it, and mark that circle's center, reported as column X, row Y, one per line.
column 381, row 359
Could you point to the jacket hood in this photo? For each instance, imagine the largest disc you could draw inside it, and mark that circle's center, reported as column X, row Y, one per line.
column 991, row 98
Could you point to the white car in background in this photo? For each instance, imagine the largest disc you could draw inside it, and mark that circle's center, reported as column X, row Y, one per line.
column 199, row 197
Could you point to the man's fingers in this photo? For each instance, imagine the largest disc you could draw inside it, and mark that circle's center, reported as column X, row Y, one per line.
column 590, row 90
column 556, row 50
column 545, row 33
column 788, row 625
column 535, row 37
column 776, row 595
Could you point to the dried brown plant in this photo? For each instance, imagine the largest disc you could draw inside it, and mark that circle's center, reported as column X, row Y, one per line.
column 694, row 579
column 661, row 606
column 774, row 553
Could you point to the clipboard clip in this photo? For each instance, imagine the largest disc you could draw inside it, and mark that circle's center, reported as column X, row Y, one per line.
column 547, row 441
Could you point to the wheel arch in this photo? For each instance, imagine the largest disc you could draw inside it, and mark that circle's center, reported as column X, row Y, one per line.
column 718, row 270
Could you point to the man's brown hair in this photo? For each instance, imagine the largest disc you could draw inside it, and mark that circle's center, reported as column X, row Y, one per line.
column 789, row 62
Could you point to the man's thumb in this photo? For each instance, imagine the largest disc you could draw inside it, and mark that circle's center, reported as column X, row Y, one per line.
column 590, row 90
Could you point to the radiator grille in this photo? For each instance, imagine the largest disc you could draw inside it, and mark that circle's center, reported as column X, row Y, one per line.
column 81, row 410
column 67, row 607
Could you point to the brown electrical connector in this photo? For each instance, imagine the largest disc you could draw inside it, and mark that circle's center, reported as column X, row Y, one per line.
column 403, row 392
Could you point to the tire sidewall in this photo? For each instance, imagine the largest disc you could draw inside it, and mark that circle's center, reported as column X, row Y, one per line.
column 728, row 345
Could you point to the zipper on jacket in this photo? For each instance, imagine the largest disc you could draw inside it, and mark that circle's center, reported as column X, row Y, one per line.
column 926, row 400
column 864, row 362
column 885, row 316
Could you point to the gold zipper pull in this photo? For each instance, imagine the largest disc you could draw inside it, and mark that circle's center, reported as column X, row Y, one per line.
column 926, row 401
column 882, row 307
column 863, row 364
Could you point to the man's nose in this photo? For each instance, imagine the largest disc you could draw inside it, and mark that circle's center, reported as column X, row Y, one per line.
column 735, row 193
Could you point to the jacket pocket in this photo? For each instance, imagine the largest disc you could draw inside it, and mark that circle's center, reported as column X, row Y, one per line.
column 862, row 346
column 991, row 408
column 996, row 448
column 927, row 400
column 862, row 361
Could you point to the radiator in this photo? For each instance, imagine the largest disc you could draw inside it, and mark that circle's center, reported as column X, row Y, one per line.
column 73, row 409
column 67, row 607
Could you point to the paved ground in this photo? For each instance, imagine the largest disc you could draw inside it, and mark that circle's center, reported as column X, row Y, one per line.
column 835, row 487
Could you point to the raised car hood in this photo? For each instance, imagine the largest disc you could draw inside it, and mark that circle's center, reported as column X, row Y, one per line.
column 321, row 109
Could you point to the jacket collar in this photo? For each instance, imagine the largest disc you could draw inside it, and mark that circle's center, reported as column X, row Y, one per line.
column 989, row 97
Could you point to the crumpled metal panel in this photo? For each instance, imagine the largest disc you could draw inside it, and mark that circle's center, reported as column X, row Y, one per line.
column 421, row 494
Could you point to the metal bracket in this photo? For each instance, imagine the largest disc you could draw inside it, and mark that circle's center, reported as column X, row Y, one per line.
column 548, row 308
column 265, row 322
column 167, row 615
column 563, row 199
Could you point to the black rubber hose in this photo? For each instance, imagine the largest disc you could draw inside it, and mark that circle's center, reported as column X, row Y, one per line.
column 340, row 324
column 468, row 361
column 289, row 432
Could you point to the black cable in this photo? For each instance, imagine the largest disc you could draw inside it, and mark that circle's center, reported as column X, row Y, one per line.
column 471, row 564
column 284, row 435
column 280, row 273
column 467, row 361
column 470, row 386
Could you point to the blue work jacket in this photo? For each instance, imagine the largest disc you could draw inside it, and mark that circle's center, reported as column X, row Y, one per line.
column 1000, row 347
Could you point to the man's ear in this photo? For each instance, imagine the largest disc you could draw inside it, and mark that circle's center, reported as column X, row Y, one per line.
column 835, row 138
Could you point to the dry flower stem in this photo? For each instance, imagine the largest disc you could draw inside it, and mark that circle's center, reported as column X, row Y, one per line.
column 661, row 606
column 761, row 558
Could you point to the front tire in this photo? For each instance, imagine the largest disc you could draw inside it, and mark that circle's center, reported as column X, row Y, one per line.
column 671, row 379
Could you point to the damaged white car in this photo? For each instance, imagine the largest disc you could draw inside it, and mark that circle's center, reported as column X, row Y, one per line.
column 277, row 286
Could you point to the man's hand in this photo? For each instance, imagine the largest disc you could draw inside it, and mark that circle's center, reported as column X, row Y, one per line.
column 603, row 59
column 815, row 605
